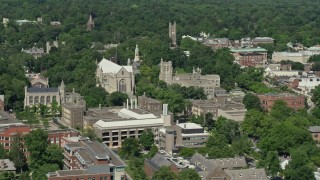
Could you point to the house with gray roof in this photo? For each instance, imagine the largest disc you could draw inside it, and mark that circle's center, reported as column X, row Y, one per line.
column 154, row 164
column 90, row 158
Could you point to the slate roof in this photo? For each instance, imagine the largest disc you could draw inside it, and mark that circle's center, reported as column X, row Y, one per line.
column 158, row 161
column 42, row 90
column 314, row 129
column 247, row 174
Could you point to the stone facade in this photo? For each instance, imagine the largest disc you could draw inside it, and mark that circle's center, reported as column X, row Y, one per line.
column 113, row 77
column 41, row 93
column 149, row 104
column 1, row 102
column 207, row 82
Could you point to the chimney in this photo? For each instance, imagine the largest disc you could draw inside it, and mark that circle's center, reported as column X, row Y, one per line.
column 177, row 122
column 99, row 106
column 185, row 125
column 135, row 103
column 131, row 103
column 165, row 109
column 127, row 103
column 73, row 90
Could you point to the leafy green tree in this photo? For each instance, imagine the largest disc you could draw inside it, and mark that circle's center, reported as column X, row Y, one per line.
column 187, row 152
column 43, row 110
column 147, row 139
column 208, row 121
column 190, row 174
column 314, row 58
column 316, row 95
column 255, row 123
column 16, row 154
column 242, row 146
column 228, row 128
column 153, row 151
column 7, row 176
column 54, row 155
column 89, row 132
column 41, row 172
column 117, row 98
column 135, row 168
column 252, row 101
column 272, row 163
column 298, row 167
column 164, row 173
column 129, row 148
column 37, row 143
column 2, row 152
column 280, row 110
column 315, row 66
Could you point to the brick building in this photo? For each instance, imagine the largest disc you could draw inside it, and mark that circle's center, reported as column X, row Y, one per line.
column 101, row 172
column 293, row 101
column 83, row 156
column 251, row 59
column 153, row 165
column 7, row 134
column 58, row 137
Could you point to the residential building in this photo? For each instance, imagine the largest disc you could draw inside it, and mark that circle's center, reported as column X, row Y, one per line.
column 98, row 172
column 10, row 130
column 58, row 137
column 225, row 168
column 113, row 77
column 315, row 132
column 262, row 40
column 251, row 59
column 7, row 166
column 293, row 101
column 34, row 51
column 125, row 123
column 207, row 82
column 279, row 70
column 189, row 135
column 217, row 43
column 300, row 56
column 153, row 165
column 1, row 102
column 304, row 83
column 89, row 159
column 238, row 53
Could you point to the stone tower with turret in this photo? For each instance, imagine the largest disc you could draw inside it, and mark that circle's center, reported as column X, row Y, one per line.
column 136, row 54
column 62, row 91
column 166, row 71
column 173, row 34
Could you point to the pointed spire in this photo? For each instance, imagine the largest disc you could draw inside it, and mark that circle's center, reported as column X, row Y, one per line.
column 62, row 85
column 136, row 54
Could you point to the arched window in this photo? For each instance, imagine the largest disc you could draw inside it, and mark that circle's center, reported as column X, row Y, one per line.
column 36, row 100
column 48, row 99
column 122, row 86
column 30, row 100
column 42, row 100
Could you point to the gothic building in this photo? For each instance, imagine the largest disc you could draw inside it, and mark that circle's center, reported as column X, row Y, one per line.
column 207, row 82
column 40, row 93
column 90, row 23
column 173, row 34
column 113, row 77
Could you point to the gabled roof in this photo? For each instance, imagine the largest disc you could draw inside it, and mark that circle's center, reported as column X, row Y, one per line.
column 108, row 66
column 158, row 161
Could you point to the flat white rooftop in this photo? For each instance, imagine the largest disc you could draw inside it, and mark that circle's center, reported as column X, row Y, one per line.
column 127, row 124
column 189, row 126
